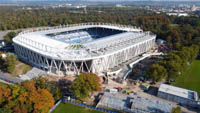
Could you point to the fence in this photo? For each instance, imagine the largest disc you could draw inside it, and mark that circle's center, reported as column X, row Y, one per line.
column 88, row 106
column 55, row 105
column 74, row 25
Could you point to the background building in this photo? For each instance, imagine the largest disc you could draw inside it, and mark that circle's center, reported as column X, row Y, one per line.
column 179, row 95
column 133, row 104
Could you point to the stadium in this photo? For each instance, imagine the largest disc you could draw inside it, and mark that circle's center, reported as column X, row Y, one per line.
column 77, row 48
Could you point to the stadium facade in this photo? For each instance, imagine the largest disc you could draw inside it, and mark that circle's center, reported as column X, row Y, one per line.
column 87, row 47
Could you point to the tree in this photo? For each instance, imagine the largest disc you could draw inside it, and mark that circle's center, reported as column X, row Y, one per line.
column 176, row 110
column 17, row 109
column 194, row 51
column 29, row 86
column 6, row 39
column 16, row 90
column 40, row 83
column 173, row 57
column 197, row 41
column 5, row 110
column 4, row 94
column 9, row 36
column 2, row 62
column 35, row 100
column 173, row 64
column 57, row 93
column 85, row 84
column 44, row 101
column 157, row 72
column 26, row 100
column 165, row 27
column 10, row 62
column 43, row 83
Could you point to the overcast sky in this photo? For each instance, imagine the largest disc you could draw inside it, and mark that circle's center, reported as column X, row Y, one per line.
column 105, row 0
column 99, row 0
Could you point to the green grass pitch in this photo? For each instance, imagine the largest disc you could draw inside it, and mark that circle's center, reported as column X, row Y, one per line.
column 70, row 108
column 191, row 78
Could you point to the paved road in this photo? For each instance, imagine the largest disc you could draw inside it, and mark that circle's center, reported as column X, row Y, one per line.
column 7, row 78
column 3, row 33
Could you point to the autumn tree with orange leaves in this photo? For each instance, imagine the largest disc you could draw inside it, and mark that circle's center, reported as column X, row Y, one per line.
column 25, row 98
column 4, row 94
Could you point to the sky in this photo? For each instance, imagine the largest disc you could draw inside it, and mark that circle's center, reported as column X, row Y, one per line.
column 99, row 0
column 105, row 0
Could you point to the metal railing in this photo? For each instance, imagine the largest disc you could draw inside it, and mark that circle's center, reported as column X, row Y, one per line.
column 81, row 24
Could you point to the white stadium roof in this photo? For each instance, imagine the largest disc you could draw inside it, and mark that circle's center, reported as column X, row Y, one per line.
column 38, row 41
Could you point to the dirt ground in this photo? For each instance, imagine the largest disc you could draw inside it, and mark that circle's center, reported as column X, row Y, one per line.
column 57, row 78
column 152, row 93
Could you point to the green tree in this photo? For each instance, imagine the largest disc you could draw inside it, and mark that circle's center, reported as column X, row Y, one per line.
column 197, row 41
column 5, row 110
column 41, row 82
column 85, row 84
column 157, row 72
column 9, row 36
column 10, row 62
column 7, row 39
column 57, row 93
column 174, row 58
column 16, row 90
column 176, row 110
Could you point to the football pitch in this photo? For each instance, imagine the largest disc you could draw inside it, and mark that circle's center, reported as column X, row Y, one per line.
column 70, row 108
column 191, row 78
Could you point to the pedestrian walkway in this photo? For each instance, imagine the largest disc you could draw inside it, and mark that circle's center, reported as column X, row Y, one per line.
column 33, row 73
column 9, row 79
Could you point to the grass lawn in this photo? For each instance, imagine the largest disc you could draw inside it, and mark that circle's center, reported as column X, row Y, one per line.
column 21, row 68
column 191, row 78
column 70, row 108
column 2, row 84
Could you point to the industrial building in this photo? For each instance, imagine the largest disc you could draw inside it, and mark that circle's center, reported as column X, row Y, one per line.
column 179, row 95
column 134, row 104
column 77, row 48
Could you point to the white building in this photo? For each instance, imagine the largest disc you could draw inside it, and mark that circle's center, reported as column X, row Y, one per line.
column 179, row 95
column 87, row 47
column 133, row 104
column 178, row 14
